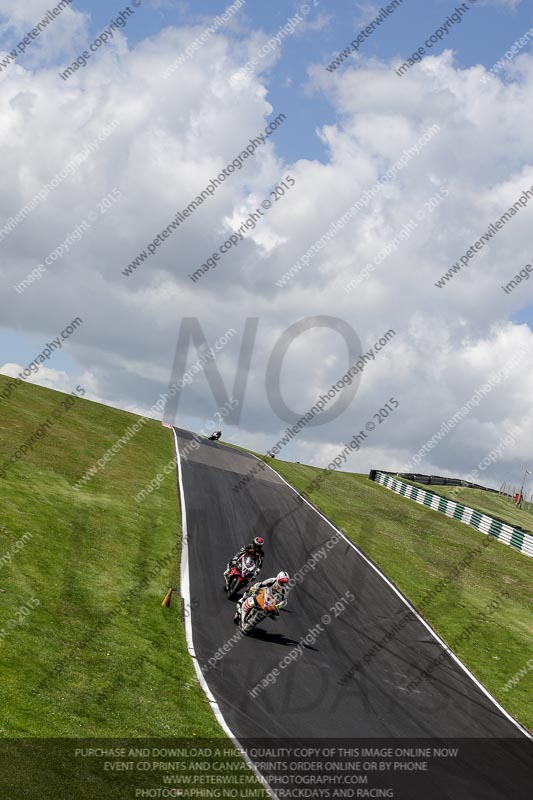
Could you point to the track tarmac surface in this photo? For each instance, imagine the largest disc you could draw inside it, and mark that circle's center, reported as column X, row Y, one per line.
column 270, row 686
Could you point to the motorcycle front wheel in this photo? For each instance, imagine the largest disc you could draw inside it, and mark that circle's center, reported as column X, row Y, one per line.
column 233, row 587
column 253, row 618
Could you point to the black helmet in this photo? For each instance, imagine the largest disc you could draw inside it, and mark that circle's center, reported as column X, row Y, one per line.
column 258, row 543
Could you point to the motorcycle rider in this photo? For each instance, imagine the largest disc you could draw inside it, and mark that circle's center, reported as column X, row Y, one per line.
column 254, row 550
column 279, row 585
column 215, row 436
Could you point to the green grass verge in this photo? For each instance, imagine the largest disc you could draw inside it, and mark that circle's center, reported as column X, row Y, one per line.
column 86, row 649
column 417, row 548
column 67, row 668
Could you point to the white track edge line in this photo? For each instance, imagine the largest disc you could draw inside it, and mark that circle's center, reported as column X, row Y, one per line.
column 185, row 590
column 407, row 603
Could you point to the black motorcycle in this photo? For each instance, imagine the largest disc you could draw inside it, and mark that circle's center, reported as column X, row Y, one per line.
column 215, row 436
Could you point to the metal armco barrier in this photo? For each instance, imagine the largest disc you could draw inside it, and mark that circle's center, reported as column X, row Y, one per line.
column 520, row 540
column 437, row 480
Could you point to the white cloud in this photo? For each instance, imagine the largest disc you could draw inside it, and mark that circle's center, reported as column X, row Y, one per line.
column 64, row 34
column 175, row 135
column 50, row 378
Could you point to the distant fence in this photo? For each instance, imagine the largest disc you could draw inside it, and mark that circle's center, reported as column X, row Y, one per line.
column 436, row 480
column 508, row 534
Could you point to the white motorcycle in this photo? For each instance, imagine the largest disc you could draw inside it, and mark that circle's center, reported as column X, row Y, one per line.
column 252, row 609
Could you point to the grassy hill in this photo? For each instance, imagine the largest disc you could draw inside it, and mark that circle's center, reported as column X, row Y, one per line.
column 106, row 658
column 86, row 649
column 418, row 548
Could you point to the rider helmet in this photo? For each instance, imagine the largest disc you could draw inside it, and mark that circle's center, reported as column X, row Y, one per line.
column 258, row 543
column 282, row 578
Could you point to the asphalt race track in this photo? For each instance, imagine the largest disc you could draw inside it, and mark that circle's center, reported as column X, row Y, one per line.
column 319, row 694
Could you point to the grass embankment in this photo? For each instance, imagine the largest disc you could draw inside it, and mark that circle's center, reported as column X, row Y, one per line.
column 87, row 550
column 417, row 548
column 86, row 649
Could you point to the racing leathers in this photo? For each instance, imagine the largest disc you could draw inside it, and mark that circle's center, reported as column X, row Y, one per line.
column 252, row 553
column 249, row 598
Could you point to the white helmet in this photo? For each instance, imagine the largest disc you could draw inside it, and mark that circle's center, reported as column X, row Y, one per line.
column 282, row 578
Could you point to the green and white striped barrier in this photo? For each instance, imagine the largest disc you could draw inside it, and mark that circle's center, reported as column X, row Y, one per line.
column 507, row 534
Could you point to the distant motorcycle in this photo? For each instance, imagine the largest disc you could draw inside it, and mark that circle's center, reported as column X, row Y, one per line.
column 239, row 576
column 268, row 602
column 215, row 436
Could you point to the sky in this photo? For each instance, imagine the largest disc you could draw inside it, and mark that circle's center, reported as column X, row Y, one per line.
column 173, row 97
